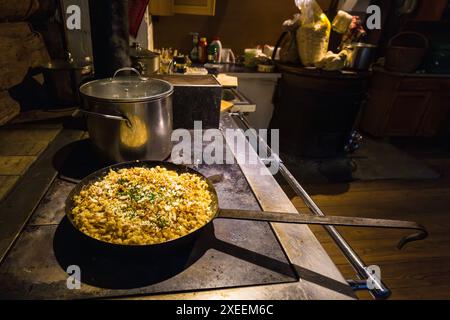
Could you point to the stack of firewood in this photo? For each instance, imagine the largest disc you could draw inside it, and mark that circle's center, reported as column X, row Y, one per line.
column 21, row 49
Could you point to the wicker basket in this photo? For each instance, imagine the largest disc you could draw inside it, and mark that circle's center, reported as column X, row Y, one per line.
column 406, row 52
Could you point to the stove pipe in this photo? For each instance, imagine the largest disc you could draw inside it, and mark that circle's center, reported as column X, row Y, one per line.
column 110, row 36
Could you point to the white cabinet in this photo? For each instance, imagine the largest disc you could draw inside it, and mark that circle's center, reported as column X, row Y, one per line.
column 259, row 88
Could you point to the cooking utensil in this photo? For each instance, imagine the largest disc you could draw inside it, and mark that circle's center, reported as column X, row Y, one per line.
column 129, row 118
column 362, row 56
column 62, row 78
column 241, row 214
column 143, row 60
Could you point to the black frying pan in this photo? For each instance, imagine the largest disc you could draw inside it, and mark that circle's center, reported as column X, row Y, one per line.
column 295, row 218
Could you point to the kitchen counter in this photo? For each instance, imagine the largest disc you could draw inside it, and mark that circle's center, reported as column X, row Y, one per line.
column 310, row 273
column 244, row 72
column 230, row 68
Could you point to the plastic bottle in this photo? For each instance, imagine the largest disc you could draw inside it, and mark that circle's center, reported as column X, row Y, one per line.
column 212, row 52
column 194, row 52
column 215, row 50
column 314, row 33
column 203, row 50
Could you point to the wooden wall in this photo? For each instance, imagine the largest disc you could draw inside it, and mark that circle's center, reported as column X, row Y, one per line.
column 239, row 23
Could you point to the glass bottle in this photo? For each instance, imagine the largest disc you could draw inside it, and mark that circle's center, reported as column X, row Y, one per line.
column 203, row 50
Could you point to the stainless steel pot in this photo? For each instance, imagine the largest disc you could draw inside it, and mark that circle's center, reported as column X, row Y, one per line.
column 143, row 60
column 62, row 79
column 362, row 56
column 129, row 118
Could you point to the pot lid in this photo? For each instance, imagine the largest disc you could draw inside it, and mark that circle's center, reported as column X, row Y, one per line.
column 136, row 51
column 127, row 89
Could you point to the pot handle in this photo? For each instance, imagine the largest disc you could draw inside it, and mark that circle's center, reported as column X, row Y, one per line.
column 128, row 69
column 105, row 116
column 421, row 232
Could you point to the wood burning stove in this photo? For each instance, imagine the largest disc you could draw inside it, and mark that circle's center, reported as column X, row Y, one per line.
column 316, row 110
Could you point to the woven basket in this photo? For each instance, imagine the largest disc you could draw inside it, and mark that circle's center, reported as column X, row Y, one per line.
column 406, row 52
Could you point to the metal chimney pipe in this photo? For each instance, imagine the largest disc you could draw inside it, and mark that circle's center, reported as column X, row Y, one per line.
column 110, row 36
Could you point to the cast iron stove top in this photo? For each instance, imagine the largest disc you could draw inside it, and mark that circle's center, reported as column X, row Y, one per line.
column 229, row 254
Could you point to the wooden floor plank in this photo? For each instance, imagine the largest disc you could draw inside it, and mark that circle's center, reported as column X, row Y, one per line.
column 394, row 199
column 421, row 270
column 421, row 273
column 367, row 186
column 359, row 234
column 379, row 251
column 422, row 293
column 415, row 293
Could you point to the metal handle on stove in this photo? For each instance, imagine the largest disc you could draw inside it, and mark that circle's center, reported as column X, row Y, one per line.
column 420, row 234
column 378, row 288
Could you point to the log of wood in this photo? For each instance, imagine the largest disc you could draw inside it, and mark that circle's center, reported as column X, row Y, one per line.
column 9, row 108
column 14, row 29
column 18, row 39
column 14, row 63
column 35, row 46
column 22, row 48
column 12, row 36
column 12, row 50
column 46, row 11
column 13, row 74
column 17, row 10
